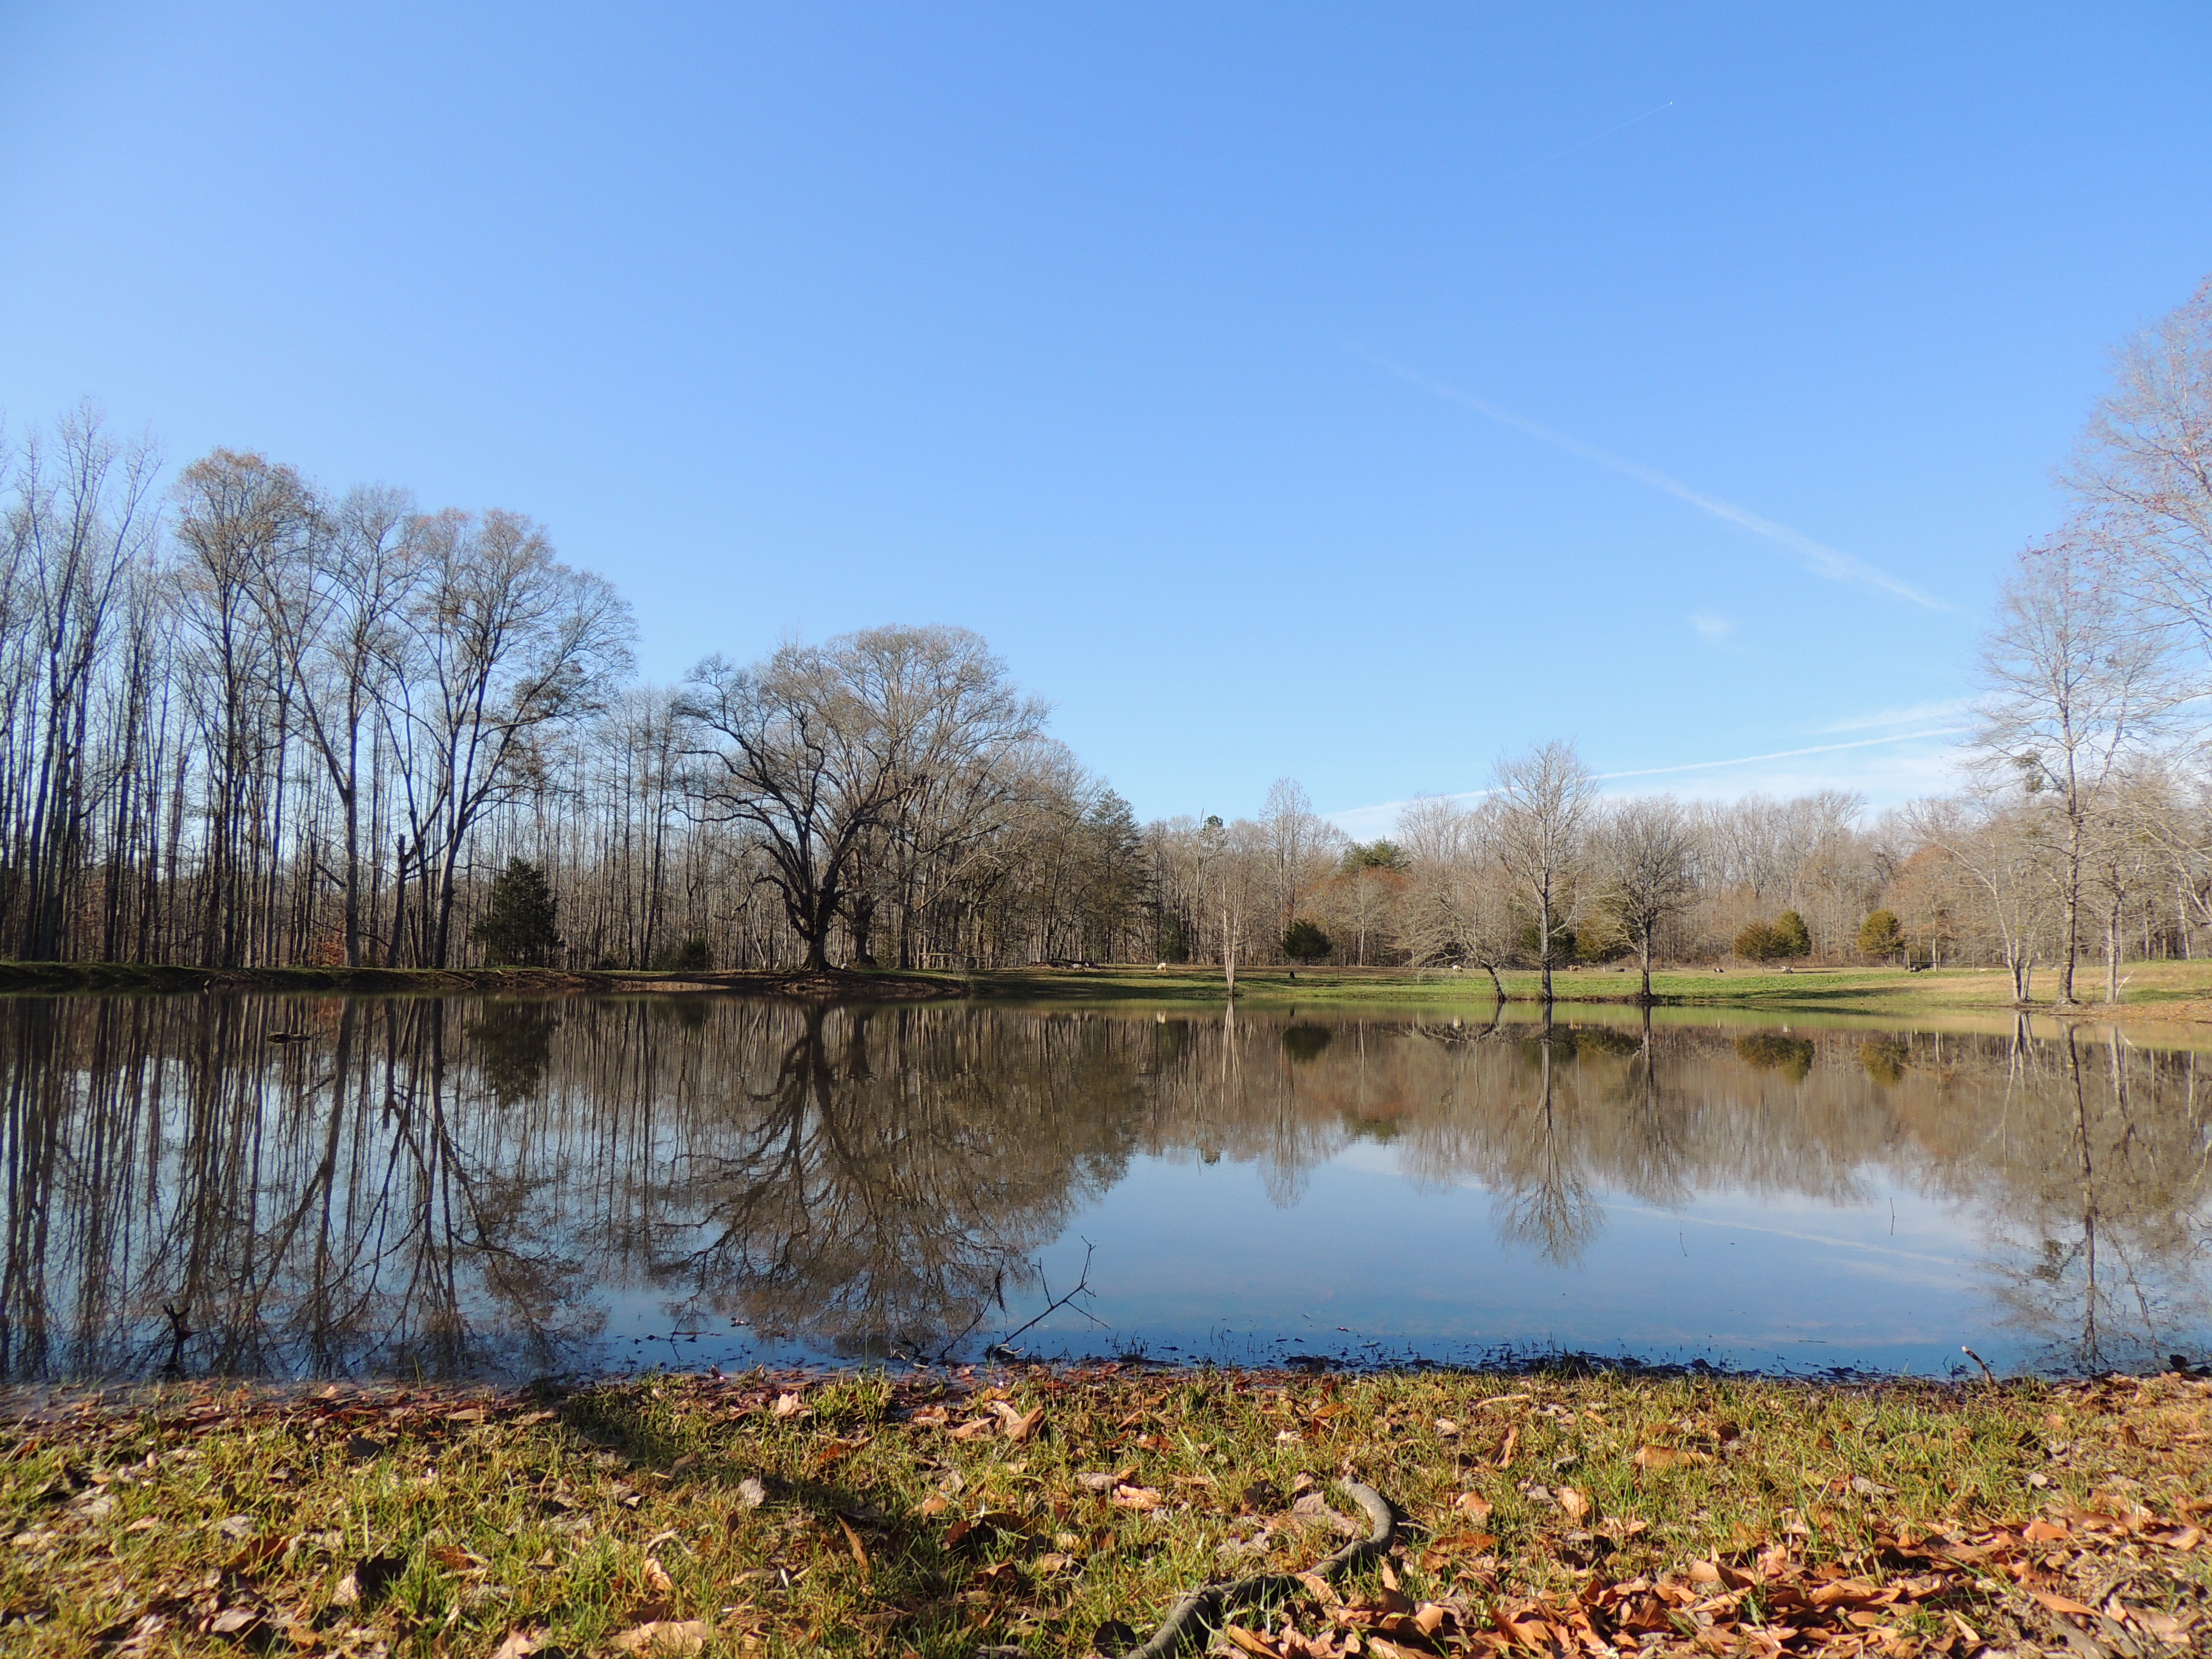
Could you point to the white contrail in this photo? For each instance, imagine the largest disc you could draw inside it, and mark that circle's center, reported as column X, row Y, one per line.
column 1949, row 708
column 1820, row 559
column 1690, row 766
column 1786, row 754
column 1561, row 154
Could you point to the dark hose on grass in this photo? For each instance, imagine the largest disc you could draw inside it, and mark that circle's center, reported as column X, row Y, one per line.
column 1208, row 1603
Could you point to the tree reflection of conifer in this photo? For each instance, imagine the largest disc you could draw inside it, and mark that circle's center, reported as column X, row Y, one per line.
column 1771, row 1051
column 514, row 1042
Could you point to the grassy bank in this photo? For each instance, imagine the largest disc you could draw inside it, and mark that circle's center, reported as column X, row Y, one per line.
column 1053, row 1512
column 2179, row 991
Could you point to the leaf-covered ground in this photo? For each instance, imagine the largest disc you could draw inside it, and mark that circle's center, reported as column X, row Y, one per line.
column 1063, row 1513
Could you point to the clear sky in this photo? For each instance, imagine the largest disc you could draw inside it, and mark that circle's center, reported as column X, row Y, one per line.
column 1352, row 392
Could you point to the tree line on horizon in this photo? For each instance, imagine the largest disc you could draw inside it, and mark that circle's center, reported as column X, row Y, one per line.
column 250, row 722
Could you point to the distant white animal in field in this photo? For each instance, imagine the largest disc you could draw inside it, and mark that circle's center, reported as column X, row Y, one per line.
column 1161, row 969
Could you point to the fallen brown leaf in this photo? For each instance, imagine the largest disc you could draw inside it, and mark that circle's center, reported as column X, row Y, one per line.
column 1136, row 1498
column 2062, row 1604
column 664, row 1638
column 859, row 1552
column 1668, row 1458
column 1251, row 1641
column 1020, row 1425
column 368, row 1580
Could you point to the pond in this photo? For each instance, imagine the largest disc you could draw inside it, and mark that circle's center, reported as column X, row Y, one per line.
column 445, row 1187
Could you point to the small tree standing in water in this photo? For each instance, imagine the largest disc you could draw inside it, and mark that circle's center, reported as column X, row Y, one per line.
column 517, row 926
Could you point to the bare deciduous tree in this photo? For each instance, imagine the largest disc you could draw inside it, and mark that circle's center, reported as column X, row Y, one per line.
column 84, row 515
column 1294, row 833
column 2144, row 469
column 503, row 645
column 1645, row 851
column 238, row 516
column 1539, row 805
column 889, row 737
column 2076, row 682
column 1460, row 910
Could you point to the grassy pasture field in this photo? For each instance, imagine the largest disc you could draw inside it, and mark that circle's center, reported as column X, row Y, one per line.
column 2180, row 992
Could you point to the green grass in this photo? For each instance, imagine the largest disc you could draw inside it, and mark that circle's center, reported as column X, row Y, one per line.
column 2167, row 986
column 853, row 1515
column 2179, row 992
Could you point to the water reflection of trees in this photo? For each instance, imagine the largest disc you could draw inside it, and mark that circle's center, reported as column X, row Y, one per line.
column 438, row 1188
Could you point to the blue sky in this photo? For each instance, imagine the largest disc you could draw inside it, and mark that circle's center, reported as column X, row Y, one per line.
column 1352, row 393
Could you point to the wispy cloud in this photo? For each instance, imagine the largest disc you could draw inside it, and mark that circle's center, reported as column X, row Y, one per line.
column 1816, row 556
column 1710, row 628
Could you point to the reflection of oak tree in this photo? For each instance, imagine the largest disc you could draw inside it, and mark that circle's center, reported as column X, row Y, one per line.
column 2113, row 1197
column 1539, row 1192
column 897, row 1175
column 1653, row 1161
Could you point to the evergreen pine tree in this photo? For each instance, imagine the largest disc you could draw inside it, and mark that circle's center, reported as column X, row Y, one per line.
column 517, row 928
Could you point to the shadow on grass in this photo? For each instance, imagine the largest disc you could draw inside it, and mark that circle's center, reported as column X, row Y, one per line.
column 914, row 1573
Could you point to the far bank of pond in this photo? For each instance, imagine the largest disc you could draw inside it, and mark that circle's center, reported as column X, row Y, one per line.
column 2177, row 994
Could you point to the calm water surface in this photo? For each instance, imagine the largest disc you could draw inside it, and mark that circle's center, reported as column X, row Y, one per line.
column 443, row 1188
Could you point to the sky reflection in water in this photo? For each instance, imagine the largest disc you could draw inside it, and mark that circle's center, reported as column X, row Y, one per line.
column 464, row 1187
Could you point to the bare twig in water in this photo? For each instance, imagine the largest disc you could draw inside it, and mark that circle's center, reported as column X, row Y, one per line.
column 952, row 1342
column 1053, row 1305
column 1082, row 1288
column 1978, row 1360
